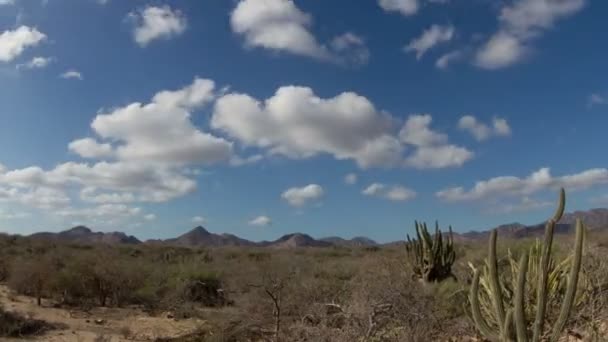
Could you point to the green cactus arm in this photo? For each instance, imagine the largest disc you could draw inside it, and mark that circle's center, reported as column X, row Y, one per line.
column 543, row 274
column 520, row 315
column 496, row 290
column 480, row 322
column 559, row 212
column 572, row 282
column 543, row 268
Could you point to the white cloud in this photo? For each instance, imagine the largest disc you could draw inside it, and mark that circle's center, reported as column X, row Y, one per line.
column 393, row 192
column 91, row 194
column 298, row 124
column 198, row 219
column 38, row 197
column 405, row 7
column 89, row 148
column 13, row 43
column 103, row 210
column 279, row 25
column 150, row 217
column 72, row 74
column 7, row 2
column 299, row 197
column 439, row 157
column 148, row 183
column 351, row 178
column 261, row 221
column 154, row 23
column 520, row 23
column 445, row 60
column 36, row 63
column 481, row 131
column 430, row 38
column 160, row 131
column 596, row 99
column 502, row 50
column 515, row 186
column 416, row 131
column 432, row 150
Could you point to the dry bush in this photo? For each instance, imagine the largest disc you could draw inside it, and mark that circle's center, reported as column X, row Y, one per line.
column 14, row 325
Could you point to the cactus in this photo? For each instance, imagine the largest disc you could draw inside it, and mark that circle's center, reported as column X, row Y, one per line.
column 431, row 258
column 499, row 321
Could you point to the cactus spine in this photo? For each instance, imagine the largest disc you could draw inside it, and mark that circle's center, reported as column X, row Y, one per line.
column 516, row 314
column 431, row 258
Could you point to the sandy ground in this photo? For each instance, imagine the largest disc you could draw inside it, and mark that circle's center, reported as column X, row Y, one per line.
column 115, row 325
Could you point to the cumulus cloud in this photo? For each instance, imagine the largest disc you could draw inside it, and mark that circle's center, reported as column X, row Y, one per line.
column 351, row 179
column 148, row 183
column 296, row 123
column 521, row 22
column 7, row 2
column 14, row 42
column 90, row 148
column 392, row 192
column 279, row 25
column 72, row 74
column 103, row 210
column 481, row 131
column 432, row 149
column 515, row 186
column 261, row 221
column 152, row 23
column 430, row 38
column 36, row 63
column 405, row 7
column 160, row 131
column 299, row 197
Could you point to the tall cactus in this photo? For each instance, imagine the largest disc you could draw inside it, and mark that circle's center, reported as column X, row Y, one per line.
column 430, row 256
column 510, row 324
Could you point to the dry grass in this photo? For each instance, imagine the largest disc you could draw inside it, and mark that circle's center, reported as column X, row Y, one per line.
column 331, row 294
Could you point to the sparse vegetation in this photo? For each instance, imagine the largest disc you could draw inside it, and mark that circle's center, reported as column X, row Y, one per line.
column 307, row 294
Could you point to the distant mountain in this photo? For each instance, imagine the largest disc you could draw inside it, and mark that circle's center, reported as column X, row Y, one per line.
column 199, row 236
column 295, row 240
column 82, row 234
column 358, row 241
column 595, row 219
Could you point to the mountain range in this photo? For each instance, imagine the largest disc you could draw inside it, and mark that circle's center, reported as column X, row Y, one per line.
column 595, row 219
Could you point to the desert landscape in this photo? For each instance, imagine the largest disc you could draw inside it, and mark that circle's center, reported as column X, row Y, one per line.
column 303, row 170
column 79, row 285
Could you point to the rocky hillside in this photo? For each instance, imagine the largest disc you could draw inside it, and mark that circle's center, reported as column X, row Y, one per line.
column 83, row 234
column 199, row 236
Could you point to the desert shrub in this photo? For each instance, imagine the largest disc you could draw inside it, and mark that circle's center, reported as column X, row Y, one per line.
column 14, row 325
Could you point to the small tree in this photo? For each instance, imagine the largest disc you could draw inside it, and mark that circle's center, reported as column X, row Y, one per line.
column 32, row 277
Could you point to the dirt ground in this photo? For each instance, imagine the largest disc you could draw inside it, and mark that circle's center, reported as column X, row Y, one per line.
column 99, row 324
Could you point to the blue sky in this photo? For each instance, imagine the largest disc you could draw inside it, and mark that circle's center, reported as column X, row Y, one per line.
column 265, row 117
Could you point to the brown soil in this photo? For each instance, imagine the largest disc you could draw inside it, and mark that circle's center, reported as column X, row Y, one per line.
column 98, row 324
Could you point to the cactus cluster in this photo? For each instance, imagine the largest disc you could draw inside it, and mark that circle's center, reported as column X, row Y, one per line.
column 431, row 257
column 506, row 318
